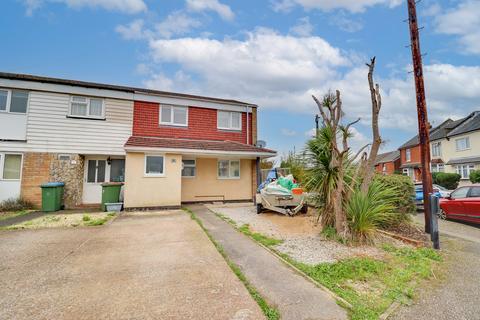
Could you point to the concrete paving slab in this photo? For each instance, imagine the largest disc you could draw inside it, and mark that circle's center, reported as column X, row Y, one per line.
column 294, row 296
column 159, row 266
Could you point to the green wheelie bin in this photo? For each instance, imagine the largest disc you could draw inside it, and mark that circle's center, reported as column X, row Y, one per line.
column 110, row 193
column 52, row 196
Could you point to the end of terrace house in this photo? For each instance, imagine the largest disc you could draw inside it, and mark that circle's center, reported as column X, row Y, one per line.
column 167, row 148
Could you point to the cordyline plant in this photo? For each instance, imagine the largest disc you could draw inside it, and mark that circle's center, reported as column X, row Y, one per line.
column 335, row 172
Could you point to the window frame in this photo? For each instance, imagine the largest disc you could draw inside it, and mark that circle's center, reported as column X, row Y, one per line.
column 459, row 170
column 408, row 155
column 230, row 128
column 2, row 165
column 154, row 175
column 229, row 171
column 88, row 102
column 105, row 177
column 436, row 167
column 9, row 101
column 467, row 144
column 173, row 108
column 437, row 146
column 190, row 166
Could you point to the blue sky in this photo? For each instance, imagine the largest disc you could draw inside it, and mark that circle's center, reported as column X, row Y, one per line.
column 273, row 53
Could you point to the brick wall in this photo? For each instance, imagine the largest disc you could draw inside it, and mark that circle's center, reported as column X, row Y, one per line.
column 36, row 170
column 40, row 168
column 414, row 155
column 202, row 124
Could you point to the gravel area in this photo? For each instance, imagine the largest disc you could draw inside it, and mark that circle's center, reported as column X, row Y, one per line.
column 300, row 234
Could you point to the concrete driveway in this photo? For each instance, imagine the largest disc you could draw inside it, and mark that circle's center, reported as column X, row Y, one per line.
column 142, row 266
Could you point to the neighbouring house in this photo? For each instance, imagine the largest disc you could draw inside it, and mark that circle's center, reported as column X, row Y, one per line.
column 388, row 163
column 167, row 147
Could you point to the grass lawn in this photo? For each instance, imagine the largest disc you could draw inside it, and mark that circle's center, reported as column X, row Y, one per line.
column 64, row 220
column 12, row 214
column 368, row 284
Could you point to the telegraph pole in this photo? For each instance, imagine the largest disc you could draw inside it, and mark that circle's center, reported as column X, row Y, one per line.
column 423, row 126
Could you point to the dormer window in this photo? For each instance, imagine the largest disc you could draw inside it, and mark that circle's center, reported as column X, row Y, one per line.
column 228, row 120
column 84, row 107
column 173, row 115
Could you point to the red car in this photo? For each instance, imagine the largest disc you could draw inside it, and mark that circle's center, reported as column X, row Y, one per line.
column 462, row 204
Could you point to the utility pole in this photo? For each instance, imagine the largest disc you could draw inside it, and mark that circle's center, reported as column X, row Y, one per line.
column 423, row 126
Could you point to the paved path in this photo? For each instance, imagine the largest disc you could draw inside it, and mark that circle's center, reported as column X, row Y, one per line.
column 154, row 266
column 295, row 297
column 456, row 296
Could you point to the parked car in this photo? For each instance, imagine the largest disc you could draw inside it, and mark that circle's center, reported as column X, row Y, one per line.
column 419, row 194
column 444, row 192
column 462, row 204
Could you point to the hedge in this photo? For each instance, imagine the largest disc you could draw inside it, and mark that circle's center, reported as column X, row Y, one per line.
column 446, row 180
column 405, row 188
column 475, row 176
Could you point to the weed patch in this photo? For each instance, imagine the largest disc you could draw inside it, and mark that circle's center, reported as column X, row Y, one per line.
column 263, row 239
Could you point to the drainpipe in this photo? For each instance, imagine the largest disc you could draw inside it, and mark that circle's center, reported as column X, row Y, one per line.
column 246, row 108
column 259, row 179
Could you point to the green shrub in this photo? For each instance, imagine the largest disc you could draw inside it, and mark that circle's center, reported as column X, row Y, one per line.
column 367, row 212
column 446, row 180
column 86, row 217
column 404, row 202
column 15, row 204
column 475, row 176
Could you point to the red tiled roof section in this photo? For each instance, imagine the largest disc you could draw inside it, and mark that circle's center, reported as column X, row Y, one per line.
column 230, row 146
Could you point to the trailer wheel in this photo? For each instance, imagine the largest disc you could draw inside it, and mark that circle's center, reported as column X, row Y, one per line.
column 259, row 208
column 304, row 209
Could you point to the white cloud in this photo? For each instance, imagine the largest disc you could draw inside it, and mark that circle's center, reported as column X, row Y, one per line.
column 224, row 11
column 133, row 31
column 462, row 21
column 303, row 28
column 328, row 5
column 345, row 23
column 177, row 23
column 125, row 6
column 288, row 132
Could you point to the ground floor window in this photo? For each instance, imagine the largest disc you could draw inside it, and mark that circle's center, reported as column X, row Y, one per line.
column 438, row 167
column 117, row 170
column 228, row 169
column 189, row 168
column 464, row 170
column 10, row 166
column 96, row 171
column 154, row 165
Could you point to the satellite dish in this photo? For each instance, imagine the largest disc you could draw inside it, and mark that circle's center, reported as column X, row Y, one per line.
column 261, row 143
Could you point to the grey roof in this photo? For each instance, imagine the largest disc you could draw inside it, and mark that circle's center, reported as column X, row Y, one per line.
column 95, row 85
column 470, row 123
column 388, row 157
column 439, row 132
column 464, row 160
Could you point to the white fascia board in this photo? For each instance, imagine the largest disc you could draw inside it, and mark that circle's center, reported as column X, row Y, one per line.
column 123, row 95
column 61, row 88
column 196, row 152
column 199, row 103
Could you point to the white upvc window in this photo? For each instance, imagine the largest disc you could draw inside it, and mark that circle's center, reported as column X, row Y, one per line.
column 85, row 107
column 408, row 155
column 154, row 165
column 228, row 169
column 14, row 101
column 464, row 170
column 189, row 168
column 436, row 149
column 11, row 166
column 229, row 120
column 462, row 144
column 173, row 115
column 438, row 167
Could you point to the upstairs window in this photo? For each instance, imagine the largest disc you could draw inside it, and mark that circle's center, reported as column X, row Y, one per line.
column 174, row 116
column 14, row 101
column 436, row 149
column 85, row 107
column 228, row 120
column 462, row 144
column 408, row 155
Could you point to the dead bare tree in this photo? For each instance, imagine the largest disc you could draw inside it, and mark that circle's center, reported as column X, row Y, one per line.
column 368, row 166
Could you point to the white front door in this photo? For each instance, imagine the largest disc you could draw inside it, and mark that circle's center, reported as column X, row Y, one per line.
column 97, row 171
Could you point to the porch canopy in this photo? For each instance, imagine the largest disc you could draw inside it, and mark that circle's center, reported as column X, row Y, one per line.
column 210, row 148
